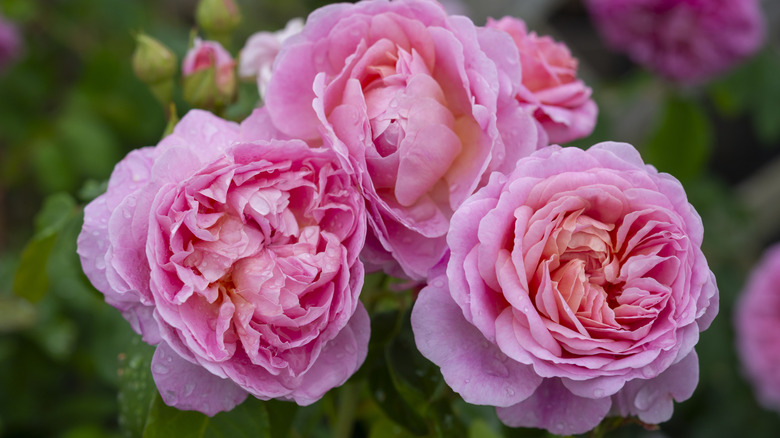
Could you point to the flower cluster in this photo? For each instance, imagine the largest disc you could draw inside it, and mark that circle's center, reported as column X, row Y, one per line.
column 396, row 137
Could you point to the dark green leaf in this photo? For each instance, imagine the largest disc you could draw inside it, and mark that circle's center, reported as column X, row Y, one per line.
column 281, row 415
column 54, row 213
column 415, row 377
column 136, row 387
column 247, row 420
column 681, row 144
column 392, row 403
column 31, row 281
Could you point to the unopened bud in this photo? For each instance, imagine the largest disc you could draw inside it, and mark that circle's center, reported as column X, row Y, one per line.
column 153, row 62
column 209, row 75
column 217, row 17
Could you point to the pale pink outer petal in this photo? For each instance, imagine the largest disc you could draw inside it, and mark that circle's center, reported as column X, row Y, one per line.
column 554, row 408
column 204, row 135
column 259, row 127
column 188, row 386
column 111, row 243
column 338, row 360
column 573, row 124
column 652, row 400
column 471, row 365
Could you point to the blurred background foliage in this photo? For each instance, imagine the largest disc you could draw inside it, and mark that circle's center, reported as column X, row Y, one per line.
column 70, row 108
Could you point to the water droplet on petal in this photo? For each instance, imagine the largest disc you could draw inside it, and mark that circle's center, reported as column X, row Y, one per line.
column 171, row 397
column 159, row 368
column 598, row 393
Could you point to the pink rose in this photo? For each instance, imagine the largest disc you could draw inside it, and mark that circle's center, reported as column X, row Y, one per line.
column 238, row 258
column 684, row 40
column 259, row 52
column 210, row 54
column 10, row 43
column 552, row 92
column 757, row 324
column 417, row 103
column 575, row 288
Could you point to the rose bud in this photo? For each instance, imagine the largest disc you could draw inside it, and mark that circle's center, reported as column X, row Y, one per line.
column 209, row 75
column 155, row 65
column 218, row 18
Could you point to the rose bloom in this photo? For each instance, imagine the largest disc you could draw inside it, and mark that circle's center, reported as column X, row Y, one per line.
column 420, row 105
column 575, row 289
column 684, row 40
column 757, row 324
column 238, row 259
column 259, row 52
column 10, row 43
column 551, row 91
column 210, row 54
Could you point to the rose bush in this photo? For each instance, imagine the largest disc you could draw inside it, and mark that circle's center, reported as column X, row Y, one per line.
column 238, row 259
column 684, row 40
column 418, row 104
column 757, row 325
column 551, row 91
column 575, row 289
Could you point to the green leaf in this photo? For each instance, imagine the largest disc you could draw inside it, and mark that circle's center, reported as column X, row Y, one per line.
column 281, row 415
column 136, row 386
column 479, row 428
column 31, row 281
column 247, row 420
column 682, row 142
column 54, row 213
column 385, row 327
column 415, row 377
column 391, row 402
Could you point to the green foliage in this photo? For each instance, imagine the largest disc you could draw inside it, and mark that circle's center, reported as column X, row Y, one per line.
column 248, row 420
column 32, row 280
column 682, row 142
column 754, row 88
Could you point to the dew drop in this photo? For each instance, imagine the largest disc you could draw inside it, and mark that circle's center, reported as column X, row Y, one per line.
column 598, row 393
column 100, row 264
column 131, row 202
column 509, row 392
column 127, row 214
column 171, row 398
column 159, row 368
column 188, row 389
